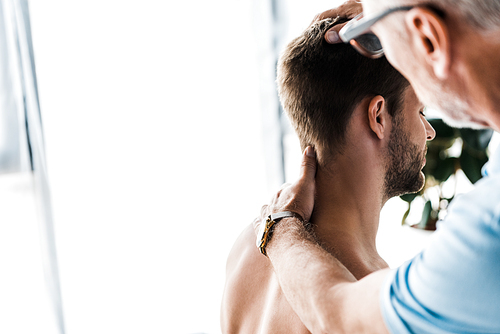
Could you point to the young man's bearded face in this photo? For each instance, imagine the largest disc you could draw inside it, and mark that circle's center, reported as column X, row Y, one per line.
column 404, row 167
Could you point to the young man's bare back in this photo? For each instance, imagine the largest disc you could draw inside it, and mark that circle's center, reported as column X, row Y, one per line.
column 253, row 301
column 370, row 137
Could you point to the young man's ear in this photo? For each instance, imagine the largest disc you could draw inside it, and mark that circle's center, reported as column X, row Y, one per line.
column 378, row 118
column 430, row 38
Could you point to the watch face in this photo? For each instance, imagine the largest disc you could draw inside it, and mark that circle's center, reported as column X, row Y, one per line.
column 262, row 230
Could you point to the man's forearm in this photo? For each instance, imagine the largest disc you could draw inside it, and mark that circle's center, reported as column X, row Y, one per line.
column 305, row 271
column 318, row 287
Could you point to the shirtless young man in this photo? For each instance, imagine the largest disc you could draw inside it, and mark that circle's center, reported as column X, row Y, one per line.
column 450, row 51
column 369, row 133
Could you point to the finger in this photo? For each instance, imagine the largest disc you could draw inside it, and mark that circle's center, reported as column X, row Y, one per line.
column 350, row 9
column 276, row 200
column 332, row 35
column 308, row 164
column 329, row 14
column 347, row 10
column 264, row 211
column 256, row 225
column 285, row 185
column 278, row 194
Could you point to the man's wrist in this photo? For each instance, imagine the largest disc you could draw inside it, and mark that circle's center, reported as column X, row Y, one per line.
column 287, row 232
column 267, row 227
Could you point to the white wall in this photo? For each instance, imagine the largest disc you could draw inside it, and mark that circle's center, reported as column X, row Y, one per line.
column 150, row 110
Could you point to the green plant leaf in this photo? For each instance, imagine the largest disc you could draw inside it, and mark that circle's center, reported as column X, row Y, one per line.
column 429, row 218
column 433, row 158
column 472, row 164
column 403, row 221
column 440, row 166
column 409, row 197
column 476, row 139
column 443, row 130
column 444, row 169
column 426, row 215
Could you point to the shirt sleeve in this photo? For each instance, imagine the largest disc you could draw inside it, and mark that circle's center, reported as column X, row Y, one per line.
column 453, row 286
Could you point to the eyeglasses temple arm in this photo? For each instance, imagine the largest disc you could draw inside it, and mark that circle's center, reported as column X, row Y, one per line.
column 355, row 29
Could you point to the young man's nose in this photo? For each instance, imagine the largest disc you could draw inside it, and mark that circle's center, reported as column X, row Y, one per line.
column 431, row 133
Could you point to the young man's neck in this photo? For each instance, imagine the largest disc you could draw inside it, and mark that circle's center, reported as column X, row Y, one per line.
column 346, row 215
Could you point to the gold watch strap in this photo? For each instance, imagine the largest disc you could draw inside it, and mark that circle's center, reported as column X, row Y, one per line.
column 269, row 227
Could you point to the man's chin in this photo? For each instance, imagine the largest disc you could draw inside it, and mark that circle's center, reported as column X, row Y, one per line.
column 410, row 189
column 454, row 111
column 465, row 124
column 460, row 119
column 421, row 181
column 417, row 186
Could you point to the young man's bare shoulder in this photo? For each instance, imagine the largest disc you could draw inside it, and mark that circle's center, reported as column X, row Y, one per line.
column 253, row 301
column 247, row 275
column 245, row 256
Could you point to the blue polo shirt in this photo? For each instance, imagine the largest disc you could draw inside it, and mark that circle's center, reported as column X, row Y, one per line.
column 453, row 286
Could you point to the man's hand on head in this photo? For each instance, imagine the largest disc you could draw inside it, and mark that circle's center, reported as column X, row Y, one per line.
column 348, row 10
column 297, row 197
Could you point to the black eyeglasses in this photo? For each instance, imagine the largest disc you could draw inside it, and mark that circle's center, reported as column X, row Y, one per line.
column 358, row 33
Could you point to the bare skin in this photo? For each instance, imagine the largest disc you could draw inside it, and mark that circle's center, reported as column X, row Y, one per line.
column 349, row 197
column 253, row 301
column 446, row 61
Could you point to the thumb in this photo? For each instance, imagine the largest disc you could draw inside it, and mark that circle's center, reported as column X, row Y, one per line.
column 332, row 35
column 308, row 165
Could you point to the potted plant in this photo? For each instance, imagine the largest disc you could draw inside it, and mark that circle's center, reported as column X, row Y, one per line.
column 469, row 154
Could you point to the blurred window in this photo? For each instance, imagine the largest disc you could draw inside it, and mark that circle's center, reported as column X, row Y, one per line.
column 29, row 283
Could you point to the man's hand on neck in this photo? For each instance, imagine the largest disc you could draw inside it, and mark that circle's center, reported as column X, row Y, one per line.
column 320, row 289
column 297, row 197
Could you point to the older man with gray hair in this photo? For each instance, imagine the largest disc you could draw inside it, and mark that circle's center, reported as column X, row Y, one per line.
column 450, row 52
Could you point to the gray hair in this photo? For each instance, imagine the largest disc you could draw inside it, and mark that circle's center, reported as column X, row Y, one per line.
column 481, row 14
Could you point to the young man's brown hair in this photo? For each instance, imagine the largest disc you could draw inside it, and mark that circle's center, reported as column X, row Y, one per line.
column 320, row 84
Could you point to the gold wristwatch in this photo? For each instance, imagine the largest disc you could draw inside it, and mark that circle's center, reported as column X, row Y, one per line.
column 267, row 227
